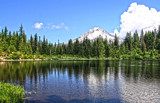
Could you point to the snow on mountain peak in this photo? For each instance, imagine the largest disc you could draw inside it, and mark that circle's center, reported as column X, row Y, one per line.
column 96, row 32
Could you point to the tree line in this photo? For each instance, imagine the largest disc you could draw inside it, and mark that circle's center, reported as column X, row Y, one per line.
column 145, row 46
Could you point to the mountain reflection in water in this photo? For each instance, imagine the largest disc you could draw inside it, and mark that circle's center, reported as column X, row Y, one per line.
column 86, row 81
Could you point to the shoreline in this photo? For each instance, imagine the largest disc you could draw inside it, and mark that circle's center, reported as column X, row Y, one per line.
column 12, row 60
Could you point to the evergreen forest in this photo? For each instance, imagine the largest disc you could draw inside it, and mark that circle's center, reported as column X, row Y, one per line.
column 15, row 45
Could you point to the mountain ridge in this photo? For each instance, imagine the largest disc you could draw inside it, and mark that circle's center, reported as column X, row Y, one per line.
column 96, row 32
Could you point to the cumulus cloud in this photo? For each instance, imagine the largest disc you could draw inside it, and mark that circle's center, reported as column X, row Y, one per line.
column 38, row 25
column 60, row 26
column 138, row 17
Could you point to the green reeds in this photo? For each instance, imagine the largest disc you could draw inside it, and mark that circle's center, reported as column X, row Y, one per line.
column 10, row 93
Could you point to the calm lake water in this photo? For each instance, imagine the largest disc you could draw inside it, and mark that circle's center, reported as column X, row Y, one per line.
column 123, row 81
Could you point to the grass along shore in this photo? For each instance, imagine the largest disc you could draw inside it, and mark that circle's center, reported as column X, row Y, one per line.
column 72, row 57
column 10, row 93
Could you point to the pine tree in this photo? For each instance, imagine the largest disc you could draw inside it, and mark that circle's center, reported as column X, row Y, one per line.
column 13, row 40
column 136, row 40
column 5, row 32
column 158, row 45
column 101, row 49
column 32, row 43
column 70, row 47
column 154, row 40
column 55, row 49
column 143, row 47
column 116, row 42
column 76, row 47
column 95, row 48
column 106, row 48
column 2, row 32
column 47, row 47
column 18, row 41
column 35, row 43
column 37, row 52
column 44, row 46
column 29, row 48
column 1, row 48
column 11, row 49
column 22, row 47
column 10, row 36
column 128, row 41
column 21, row 30
column 64, row 48
column 40, row 45
column 149, row 40
column 58, row 48
column 24, row 38
column 141, row 38
column 87, row 48
column 61, row 50
column 81, row 50
column 122, row 49
column 4, row 45
column 158, row 35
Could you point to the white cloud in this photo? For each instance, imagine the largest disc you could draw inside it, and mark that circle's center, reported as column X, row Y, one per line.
column 51, row 26
column 38, row 25
column 60, row 26
column 138, row 17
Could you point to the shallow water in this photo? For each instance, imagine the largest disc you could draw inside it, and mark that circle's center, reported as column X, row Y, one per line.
column 110, row 81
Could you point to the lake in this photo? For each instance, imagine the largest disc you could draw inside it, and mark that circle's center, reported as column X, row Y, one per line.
column 104, row 81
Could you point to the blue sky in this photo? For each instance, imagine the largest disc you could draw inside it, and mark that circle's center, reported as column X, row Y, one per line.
column 65, row 19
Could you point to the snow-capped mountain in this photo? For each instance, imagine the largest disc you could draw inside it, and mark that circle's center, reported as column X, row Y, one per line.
column 96, row 32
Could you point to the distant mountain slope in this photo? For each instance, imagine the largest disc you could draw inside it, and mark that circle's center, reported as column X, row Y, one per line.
column 96, row 32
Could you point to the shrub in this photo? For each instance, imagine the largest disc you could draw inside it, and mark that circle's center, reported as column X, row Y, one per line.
column 25, row 57
column 11, row 48
column 138, row 57
column 124, row 56
column 146, row 57
column 41, row 57
column 30, row 56
column 15, row 56
column 157, row 56
column 10, row 93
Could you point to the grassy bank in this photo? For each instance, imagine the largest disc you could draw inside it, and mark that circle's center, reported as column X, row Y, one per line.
column 132, row 55
column 10, row 93
column 63, row 58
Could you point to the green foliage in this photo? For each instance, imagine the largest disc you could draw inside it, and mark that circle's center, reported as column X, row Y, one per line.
column 136, row 56
column 124, row 56
column 76, row 47
column 116, row 42
column 4, row 45
column 128, row 41
column 107, row 50
column 146, row 55
column 70, row 47
column 16, row 55
column 149, row 40
column 101, row 48
column 11, row 49
column 136, row 39
column 158, row 45
column 15, row 46
column 10, row 93
column 35, row 43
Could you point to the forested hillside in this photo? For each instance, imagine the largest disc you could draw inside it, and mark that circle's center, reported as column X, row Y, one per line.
column 15, row 45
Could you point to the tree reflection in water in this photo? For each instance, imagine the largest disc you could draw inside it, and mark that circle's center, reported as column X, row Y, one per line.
column 87, row 79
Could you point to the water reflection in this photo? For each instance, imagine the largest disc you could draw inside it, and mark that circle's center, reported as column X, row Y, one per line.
column 82, row 81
